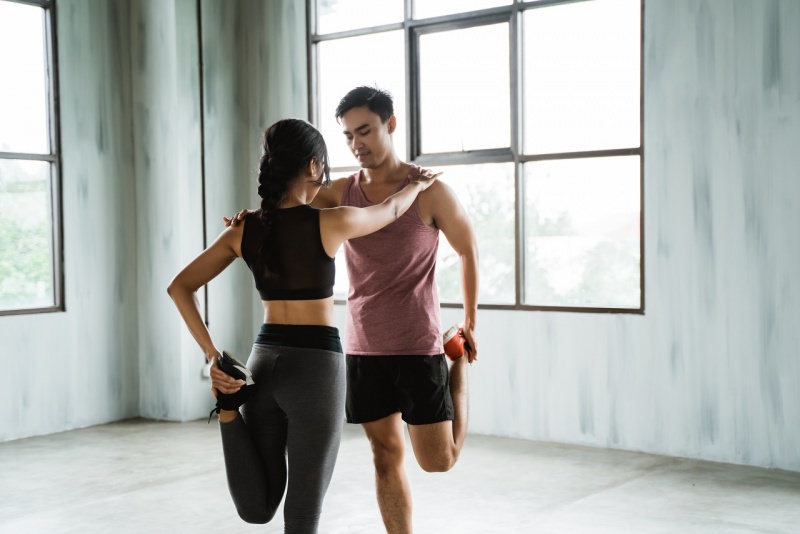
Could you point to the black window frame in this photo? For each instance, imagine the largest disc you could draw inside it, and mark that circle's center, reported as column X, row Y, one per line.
column 53, row 157
column 513, row 15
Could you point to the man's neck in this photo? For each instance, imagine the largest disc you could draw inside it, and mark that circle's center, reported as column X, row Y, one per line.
column 392, row 170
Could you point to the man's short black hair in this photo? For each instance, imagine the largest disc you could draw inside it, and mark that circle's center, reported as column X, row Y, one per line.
column 379, row 102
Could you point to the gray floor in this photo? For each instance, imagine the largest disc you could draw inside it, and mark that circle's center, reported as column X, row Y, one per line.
column 146, row 477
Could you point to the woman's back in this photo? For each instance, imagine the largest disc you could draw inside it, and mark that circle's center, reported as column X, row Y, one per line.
column 286, row 255
column 291, row 270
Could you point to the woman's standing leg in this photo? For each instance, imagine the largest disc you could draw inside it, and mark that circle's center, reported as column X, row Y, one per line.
column 254, row 445
column 311, row 392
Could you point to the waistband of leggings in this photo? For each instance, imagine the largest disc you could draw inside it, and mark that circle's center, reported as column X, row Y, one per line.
column 309, row 336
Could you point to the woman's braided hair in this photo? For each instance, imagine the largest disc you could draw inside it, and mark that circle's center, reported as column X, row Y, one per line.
column 288, row 147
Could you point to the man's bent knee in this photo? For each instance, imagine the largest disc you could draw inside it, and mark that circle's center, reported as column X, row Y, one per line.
column 440, row 462
column 434, row 448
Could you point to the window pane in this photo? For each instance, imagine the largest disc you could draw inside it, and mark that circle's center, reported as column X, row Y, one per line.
column 464, row 89
column 23, row 96
column 344, row 64
column 26, row 248
column 341, row 15
column 581, row 70
column 487, row 194
column 342, row 282
column 435, row 8
column 582, row 233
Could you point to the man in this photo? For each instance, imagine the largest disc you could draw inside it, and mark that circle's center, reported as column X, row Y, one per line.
column 395, row 367
column 396, row 371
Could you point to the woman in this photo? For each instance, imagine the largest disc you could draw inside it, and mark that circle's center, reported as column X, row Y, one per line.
column 292, row 395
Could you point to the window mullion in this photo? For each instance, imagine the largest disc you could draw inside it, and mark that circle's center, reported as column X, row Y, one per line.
column 517, row 138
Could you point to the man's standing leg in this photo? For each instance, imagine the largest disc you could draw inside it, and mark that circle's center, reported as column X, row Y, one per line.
column 387, row 438
column 436, row 447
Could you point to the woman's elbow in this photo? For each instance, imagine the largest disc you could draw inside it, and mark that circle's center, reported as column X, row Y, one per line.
column 173, row 288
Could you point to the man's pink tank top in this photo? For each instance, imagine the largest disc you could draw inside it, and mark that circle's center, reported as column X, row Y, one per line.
column 393, row 305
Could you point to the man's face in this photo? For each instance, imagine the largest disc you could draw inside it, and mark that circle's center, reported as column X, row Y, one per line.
column 367, row 137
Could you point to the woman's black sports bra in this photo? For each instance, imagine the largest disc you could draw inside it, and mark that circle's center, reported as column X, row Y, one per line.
column 287, row 258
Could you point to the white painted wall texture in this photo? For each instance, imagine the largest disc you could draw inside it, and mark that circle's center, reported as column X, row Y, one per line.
column 167, row 142
column 79, row 367
column 708, row 372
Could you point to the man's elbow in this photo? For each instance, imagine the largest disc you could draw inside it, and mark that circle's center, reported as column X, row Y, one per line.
column 469, row 253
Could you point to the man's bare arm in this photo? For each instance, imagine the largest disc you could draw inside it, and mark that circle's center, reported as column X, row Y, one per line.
column 451, row 218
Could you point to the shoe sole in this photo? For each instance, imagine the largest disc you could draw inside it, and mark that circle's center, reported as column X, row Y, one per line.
column 235, row 368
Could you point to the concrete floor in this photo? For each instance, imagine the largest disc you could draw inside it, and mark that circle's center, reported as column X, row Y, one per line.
column 148, row 477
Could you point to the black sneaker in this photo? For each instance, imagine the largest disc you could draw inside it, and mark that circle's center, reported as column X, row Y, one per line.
column 239, row 371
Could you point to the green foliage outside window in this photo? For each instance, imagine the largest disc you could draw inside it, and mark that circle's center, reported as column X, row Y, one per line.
column 25, row 247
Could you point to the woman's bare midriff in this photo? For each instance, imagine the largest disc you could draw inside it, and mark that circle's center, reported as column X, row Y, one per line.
column 317, row 312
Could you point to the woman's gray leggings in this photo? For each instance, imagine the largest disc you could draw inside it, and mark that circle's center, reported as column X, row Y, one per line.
column 295, row 410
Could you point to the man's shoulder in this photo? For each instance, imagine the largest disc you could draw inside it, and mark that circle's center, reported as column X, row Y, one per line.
column 342, row 181
column 437, row 202
column 331, row 196
column 434, row 193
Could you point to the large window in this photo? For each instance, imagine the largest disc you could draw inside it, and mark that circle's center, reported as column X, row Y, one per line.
column 30, row 257
column 533, row 110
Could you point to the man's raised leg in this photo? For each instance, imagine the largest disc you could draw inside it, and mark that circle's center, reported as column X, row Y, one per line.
column 437, row 446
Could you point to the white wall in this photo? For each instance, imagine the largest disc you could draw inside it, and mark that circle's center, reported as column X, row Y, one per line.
column 79, row 367
column 711, row 370
column 167, row 143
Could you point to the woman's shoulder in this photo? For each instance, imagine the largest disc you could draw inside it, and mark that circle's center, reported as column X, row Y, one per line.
column 252, row 220
column 250, row 224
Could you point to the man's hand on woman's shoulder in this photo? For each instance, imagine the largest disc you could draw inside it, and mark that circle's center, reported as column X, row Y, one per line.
column 236, row 219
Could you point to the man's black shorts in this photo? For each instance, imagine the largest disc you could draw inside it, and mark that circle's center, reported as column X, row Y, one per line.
column 416, row 386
